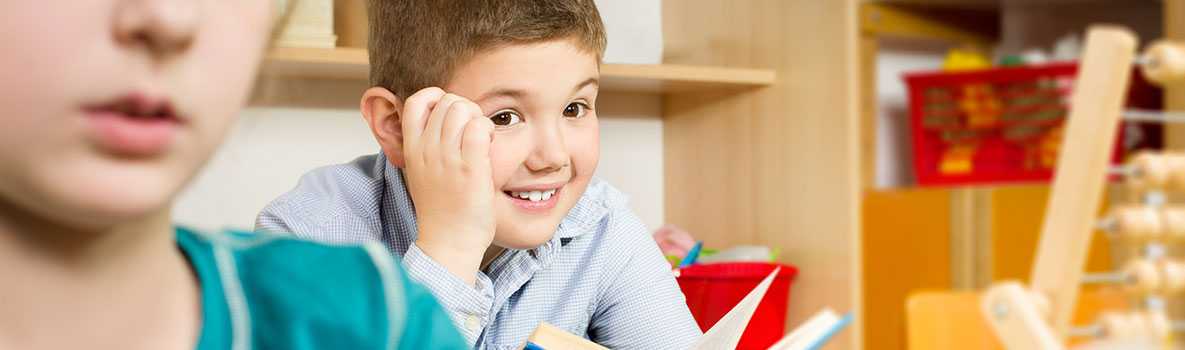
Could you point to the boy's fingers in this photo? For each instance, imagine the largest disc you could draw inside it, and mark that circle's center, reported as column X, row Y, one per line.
column 459, row 115
column 475, row 143
column 430, row 139
column 415, row 113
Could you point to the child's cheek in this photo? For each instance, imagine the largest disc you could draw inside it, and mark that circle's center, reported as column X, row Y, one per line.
column 584, row 146
column 505, row 158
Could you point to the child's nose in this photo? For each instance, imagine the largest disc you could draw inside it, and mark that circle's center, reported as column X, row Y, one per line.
column 162, row 27
column 549, row 153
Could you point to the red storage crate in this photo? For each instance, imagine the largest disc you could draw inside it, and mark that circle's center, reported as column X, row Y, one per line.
column 995, row 125
column 714, row 289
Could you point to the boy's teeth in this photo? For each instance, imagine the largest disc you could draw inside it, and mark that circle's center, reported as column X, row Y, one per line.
column 534, row 196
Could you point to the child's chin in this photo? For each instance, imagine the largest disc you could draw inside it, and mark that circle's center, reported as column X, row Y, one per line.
column 524, row 239
column 116, row 210
column 102, row 206
column 94, row 213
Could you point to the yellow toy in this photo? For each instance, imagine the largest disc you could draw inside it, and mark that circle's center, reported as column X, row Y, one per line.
column 965, row 59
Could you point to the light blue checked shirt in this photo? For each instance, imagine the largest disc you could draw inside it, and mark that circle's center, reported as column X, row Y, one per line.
column 601, row 276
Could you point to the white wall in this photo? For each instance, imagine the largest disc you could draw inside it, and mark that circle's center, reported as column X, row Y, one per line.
column 633, row 29
column 264, row 156
column 894, row 158
column 271, row 147
column 631, row 151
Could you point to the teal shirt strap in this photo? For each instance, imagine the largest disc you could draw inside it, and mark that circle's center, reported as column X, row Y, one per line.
column 406, row 300
column 216, row 330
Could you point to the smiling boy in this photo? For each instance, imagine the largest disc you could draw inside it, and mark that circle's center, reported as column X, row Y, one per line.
column 484, row 185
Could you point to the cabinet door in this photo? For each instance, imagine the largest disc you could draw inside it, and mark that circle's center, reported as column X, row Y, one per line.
column 906, row 247
column 915, row 239
column 1016, row 214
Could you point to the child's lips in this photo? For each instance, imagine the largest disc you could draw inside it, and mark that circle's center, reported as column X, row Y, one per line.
column 133, row 126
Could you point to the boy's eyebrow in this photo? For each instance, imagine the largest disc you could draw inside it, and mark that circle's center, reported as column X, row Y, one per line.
column 502, row 92
column 586, row 82
column 518, row 93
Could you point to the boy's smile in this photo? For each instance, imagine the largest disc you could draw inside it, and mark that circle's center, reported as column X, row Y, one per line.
column 535, row 199
column 541, row 99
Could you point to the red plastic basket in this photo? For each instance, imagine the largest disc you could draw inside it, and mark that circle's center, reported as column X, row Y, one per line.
column 989, row 126
column 713, row 289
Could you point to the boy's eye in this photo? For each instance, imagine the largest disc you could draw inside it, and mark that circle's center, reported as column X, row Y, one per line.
column 505, row 118
column 575, row 110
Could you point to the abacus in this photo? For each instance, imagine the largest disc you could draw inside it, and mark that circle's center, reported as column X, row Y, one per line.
column 1037, row 316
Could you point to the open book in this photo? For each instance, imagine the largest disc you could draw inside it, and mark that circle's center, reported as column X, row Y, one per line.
column 815, row 332
column 725, row 334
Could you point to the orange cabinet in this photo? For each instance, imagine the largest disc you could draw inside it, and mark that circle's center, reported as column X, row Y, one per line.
column 911, row 241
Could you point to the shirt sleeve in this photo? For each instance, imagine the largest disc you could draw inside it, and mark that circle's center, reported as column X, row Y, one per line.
column 469, row 306
column 272, row 219
column 643, row 308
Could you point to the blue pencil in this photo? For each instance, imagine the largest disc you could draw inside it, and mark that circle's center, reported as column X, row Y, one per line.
column 532, row 346
column 692, row 255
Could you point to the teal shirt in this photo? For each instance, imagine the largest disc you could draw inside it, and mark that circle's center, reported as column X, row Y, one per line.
column 264, row 291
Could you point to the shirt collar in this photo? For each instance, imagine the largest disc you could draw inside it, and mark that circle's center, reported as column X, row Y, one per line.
column 396, row 204
column 586, row 215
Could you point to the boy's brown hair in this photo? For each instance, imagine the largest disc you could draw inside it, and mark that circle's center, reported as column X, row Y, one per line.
column 416, row 44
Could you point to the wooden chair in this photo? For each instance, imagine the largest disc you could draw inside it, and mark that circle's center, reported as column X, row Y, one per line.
column 940, row 320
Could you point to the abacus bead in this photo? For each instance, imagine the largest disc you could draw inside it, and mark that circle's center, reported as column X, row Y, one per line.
column 1172, row 220
column 1143, row 276
column 1137, row 222
column 1167, row 63
column 1151, row 172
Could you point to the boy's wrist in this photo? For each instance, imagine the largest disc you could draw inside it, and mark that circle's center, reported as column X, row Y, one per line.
column 462, row 258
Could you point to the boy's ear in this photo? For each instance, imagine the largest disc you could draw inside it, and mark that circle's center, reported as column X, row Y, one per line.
column 381, row 109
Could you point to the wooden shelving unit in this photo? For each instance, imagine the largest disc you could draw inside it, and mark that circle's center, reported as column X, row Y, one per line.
column 352, row 64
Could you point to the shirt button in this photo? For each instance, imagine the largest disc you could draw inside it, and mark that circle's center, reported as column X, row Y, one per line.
column 473, row 323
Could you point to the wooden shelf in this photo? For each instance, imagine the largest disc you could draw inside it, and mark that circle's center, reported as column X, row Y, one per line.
column 351, row 64
column 975, row 4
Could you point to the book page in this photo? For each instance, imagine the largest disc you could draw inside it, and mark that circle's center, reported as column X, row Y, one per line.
column 726, row 333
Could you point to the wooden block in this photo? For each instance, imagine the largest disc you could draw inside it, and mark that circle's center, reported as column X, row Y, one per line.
column 309, row 24
column 549, row 337
column 1012, row 313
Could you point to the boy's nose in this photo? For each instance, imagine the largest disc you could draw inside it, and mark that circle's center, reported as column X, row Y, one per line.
column 162, row 27
column 550, row 154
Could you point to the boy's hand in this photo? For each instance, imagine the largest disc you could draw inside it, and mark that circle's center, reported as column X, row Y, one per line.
column 446, row 142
